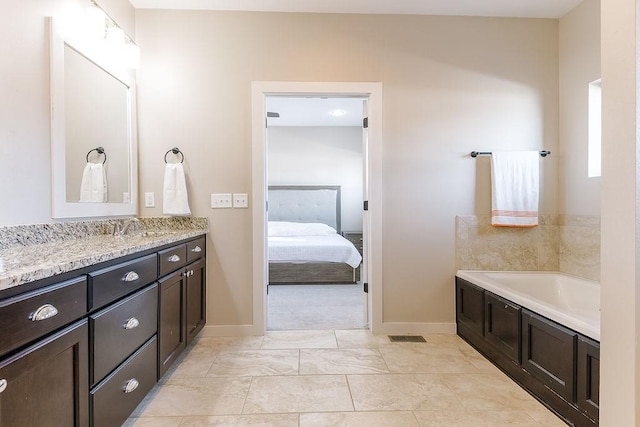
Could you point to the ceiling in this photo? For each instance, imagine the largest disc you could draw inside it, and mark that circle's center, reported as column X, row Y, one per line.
column 501, row 8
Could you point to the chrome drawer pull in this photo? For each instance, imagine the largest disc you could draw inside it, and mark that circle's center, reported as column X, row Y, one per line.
column 196, row 249
column 173, row 258
column 131, row 276
column 3, row 385
column 131, row 323
column 131, row 385
column 44, row 312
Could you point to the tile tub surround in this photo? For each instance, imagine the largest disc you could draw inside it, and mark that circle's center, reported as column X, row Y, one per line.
column 331, row 378
column 580, row 246
column 33, row 252
column 566, row 243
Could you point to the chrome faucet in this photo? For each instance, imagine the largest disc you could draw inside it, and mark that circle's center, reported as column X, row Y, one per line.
column 121, row 230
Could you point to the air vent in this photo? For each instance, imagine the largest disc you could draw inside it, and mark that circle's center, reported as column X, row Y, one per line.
column 406, row 338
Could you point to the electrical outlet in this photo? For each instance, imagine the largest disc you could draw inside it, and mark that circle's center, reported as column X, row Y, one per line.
column 220, row 200
column 149, row 200
column 240, row 200
column 126, row 198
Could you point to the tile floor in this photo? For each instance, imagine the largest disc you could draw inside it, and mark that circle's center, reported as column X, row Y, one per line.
column 336, row 378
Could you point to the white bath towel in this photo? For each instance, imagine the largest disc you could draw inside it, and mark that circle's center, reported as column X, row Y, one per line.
column 175, row 200
column 93, row 187
column 515, row 185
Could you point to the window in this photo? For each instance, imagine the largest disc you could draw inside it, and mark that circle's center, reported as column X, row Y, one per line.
column 595, row 128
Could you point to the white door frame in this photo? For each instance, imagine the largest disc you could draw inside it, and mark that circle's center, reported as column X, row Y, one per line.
column 259, row 91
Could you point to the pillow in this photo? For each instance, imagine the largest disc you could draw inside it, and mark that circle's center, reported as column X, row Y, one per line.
column 282, row 228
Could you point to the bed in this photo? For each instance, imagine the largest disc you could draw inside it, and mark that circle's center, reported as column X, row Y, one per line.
column 305, row 244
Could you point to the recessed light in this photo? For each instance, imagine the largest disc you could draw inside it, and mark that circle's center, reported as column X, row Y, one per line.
column 337, row 113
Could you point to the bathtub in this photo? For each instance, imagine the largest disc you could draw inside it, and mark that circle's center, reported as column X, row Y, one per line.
column 571, row 301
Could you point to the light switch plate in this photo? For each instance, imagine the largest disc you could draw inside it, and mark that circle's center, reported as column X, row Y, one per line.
column 240, row 200
column 220, row 200
column 149, row 200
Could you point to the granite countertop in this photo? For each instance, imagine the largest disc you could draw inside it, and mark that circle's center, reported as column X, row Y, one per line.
column 20, row 265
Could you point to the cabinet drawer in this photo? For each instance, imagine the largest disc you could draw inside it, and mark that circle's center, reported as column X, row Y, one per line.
column 111, row 283
column 196, row 249
column 55, row 306
column 172, row 259
column 111, row 402
column 119, row 330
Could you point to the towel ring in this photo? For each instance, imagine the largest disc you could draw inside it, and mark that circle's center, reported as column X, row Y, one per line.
column 100, row 150
column 176, row 151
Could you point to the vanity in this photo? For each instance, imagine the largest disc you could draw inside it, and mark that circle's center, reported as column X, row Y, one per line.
column 94, row 312
column 84, row 347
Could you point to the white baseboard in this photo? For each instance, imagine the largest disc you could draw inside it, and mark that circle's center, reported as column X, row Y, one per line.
column 401, row 328
column 393, row 328
column 229, row 331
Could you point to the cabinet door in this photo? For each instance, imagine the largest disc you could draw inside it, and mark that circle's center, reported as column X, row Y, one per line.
column 548, row 353
column 171, row 315
column 502, row 325
column 196, row 298
column 469, row 306
column 47, row 383
column 589, row 377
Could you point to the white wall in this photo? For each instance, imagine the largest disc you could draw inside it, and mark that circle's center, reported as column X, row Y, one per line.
column 322, row 155
column 620, row 296
column 450, row 85
column 579, row 65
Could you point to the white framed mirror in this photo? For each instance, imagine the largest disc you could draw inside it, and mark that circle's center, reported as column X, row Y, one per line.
column 93, row 133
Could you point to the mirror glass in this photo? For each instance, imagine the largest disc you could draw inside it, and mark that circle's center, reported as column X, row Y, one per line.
column 96, row 119
column 94, row 171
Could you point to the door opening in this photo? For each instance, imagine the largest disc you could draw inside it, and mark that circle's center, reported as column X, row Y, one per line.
column 370, row 221
column 315, row 175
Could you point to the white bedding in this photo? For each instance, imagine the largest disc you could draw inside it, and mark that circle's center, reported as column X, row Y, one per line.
column 287, row 245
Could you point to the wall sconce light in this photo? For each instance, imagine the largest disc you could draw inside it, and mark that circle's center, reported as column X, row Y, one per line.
column 96, row 31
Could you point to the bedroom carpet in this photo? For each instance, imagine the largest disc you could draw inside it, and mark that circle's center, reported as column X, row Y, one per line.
column 316, row 307
column 336, row 378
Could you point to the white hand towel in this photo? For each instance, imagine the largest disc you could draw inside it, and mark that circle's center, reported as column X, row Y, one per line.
column 175, row 200
column 93, row 187
column 515, row 185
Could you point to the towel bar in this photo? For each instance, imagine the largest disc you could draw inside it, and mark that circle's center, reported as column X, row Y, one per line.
column 543, row 153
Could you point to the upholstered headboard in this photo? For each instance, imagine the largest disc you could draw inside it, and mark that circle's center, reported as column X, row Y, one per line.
column 305, row 203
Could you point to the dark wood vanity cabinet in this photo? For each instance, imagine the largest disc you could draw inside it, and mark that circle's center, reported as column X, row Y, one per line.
column 182, row 302
column 469, row 307
column 85, row 351
column 502, row 325
column 46, row 384
column 588, row 387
